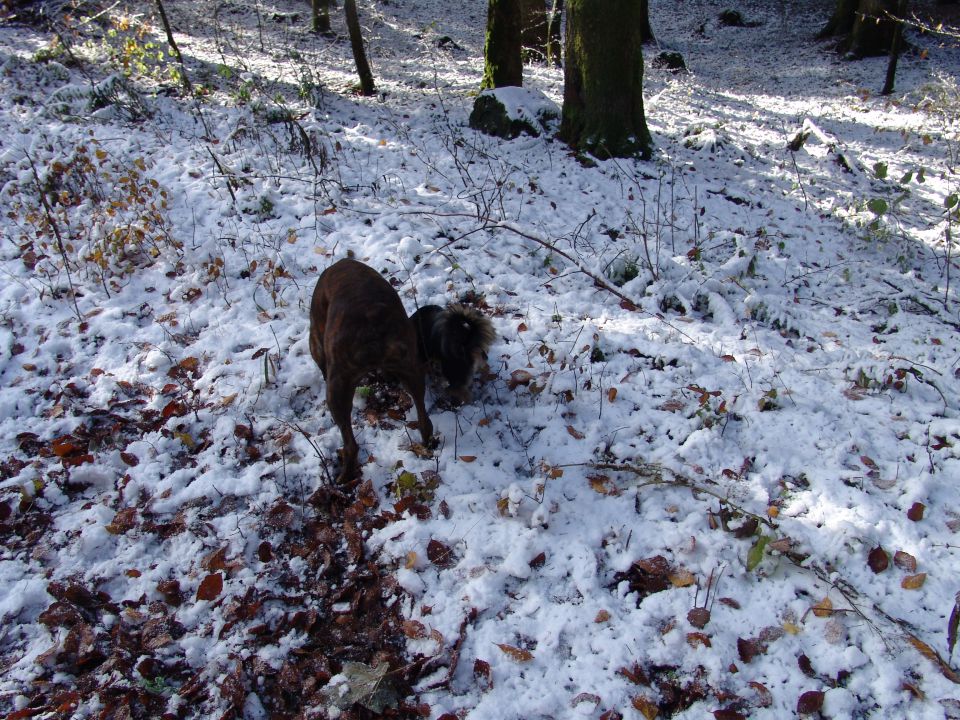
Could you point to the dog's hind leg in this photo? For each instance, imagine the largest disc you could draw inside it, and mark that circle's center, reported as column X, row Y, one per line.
column 340, row 401
column 318, row 327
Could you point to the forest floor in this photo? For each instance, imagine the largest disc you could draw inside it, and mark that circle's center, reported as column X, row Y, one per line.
column 711, row 466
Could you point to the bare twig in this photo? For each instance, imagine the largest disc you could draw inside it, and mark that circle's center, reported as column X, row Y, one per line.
column 853, row 597
column 61, row 247
column 655, row 474
column 173, row 46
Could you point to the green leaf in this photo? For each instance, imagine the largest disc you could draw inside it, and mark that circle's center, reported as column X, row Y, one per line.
column 756, row 552
column 880, row 170
column 878, row 206
column 921, row 175
column 406, row 483
column 950, row 201
column 907, row 177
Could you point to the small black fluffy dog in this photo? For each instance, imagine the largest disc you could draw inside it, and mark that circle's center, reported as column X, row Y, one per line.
column 457, row 338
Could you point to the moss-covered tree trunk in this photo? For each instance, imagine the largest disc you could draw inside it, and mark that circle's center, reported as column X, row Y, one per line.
column 502, row 63
column 646, row 32
column 356, row 44
column 866, row 24
column 555, row 35
column 533, row 30
column 603, row 79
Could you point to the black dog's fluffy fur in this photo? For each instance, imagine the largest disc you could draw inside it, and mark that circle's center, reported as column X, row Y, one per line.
column 457, row 338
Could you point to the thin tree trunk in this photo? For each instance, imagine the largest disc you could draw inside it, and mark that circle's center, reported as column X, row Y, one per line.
column 356, row 44
column 554, row 35
column 502, row 63
column 895, row 48
column 173, row 46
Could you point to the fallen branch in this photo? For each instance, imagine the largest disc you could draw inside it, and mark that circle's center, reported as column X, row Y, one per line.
column 852, row 596
column 626, row 302
column 655, row 474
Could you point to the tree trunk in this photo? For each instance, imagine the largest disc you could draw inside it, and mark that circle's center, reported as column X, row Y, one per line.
column 646, row 32
column 356, row 44
column 173, row 46
column 502, row 64
column 533, row 30
column 873, row 28
column 554, row 34
column 321, row 16
column 895, row 48
column 841, row 22
column 865, row 23
column 603, row 80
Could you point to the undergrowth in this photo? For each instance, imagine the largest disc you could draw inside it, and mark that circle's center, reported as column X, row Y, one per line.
column 83, row 209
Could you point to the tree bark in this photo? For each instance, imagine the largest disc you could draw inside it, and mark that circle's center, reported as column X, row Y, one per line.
column 533, row 30
column 867, row 25
column 554, row 34
column 502, row 63
column 646, row 32
column 841, row 21
column 873, row 28
column 321, row 16
column 356, row 44
column 895, row 48
column 603, row 80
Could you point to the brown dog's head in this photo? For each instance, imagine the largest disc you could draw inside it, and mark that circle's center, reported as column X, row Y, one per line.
column 457, row 337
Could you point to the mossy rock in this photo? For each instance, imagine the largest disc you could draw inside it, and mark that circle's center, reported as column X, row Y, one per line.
column 733, row 18
column 670, row 60
column 511, row 111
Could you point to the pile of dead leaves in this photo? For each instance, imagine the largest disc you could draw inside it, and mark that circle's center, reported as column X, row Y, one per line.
column 125, row 657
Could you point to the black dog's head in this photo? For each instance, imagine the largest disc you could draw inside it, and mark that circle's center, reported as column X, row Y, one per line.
column 458, row 338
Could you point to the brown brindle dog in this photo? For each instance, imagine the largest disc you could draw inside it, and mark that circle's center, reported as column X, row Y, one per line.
column 358, row 325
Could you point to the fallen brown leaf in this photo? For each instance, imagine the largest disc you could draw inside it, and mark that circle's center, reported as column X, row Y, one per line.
column 913, row 582
column 905, row 561
column 518, row 654
column 823, row 609
column 210, row 587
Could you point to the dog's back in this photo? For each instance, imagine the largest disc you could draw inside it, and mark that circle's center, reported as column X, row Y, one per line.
column 358, row 322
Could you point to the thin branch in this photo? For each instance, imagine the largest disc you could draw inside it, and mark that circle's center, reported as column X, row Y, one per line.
column 61, row 247
column 601, row 283
column 173, row 46
column 655, row 474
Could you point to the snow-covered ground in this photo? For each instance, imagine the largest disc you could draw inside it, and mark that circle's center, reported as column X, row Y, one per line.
column 726, row 378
